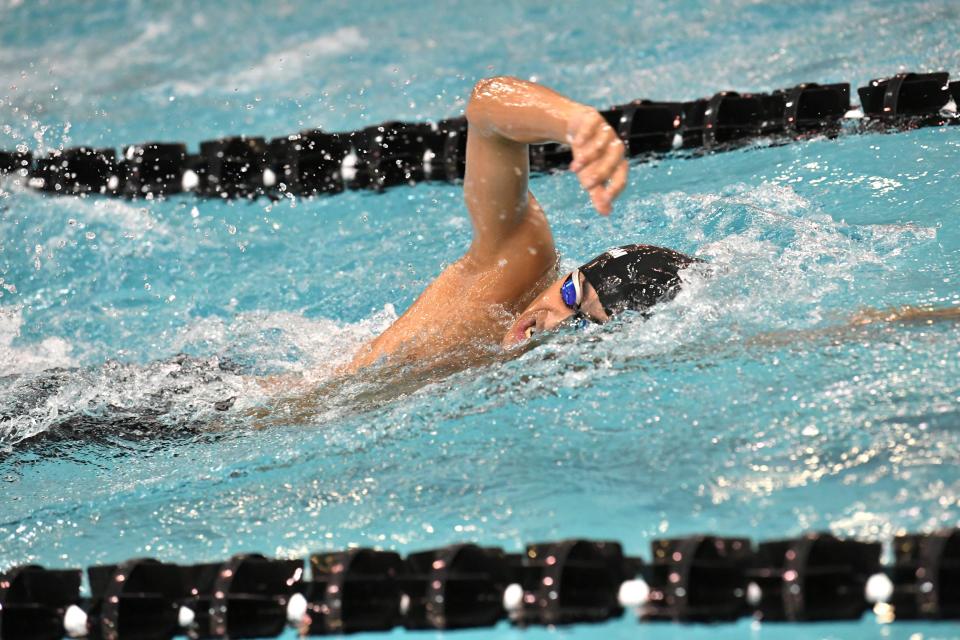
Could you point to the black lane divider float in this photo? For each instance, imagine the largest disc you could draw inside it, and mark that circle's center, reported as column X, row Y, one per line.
column 815, row 577
column 393, row 153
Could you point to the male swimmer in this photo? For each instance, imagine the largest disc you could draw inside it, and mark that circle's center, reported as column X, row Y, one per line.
column 506, row 287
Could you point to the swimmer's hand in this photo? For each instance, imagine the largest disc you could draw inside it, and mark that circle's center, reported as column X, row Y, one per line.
column 505, row 110
column 598, row 158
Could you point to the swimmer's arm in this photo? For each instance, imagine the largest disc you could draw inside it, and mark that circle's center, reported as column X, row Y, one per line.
column 507, row 114
column 854, row 328
column 906, row 315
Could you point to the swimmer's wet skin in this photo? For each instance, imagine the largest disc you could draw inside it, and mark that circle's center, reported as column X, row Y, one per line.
column 507, row 286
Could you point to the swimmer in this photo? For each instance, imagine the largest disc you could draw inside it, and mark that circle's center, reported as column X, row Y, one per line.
column 506, row 287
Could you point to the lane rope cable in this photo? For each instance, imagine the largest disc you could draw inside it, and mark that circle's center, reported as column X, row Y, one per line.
column 698, row 578
column 316, row 162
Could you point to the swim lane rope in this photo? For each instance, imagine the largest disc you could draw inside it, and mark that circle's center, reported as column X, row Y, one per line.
column 316, row 162
column 700, row 578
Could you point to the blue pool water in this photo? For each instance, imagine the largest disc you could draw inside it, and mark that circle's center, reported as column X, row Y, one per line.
column 736, row 409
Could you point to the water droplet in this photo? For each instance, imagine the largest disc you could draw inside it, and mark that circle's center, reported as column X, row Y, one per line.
column 194, row 213
column 89, row 235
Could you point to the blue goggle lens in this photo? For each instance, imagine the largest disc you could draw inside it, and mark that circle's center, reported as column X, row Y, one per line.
column 569, row 293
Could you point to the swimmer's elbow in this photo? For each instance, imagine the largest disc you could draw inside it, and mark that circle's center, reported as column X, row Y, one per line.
column 486, row 94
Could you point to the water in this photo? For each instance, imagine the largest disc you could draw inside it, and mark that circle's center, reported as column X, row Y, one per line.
column 739, row 408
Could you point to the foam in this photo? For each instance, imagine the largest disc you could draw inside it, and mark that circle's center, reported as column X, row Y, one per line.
column 769, row 250
column 167, row 395
column 17, row 360
column 175, row 391
column 128, row 217
column 284, row 342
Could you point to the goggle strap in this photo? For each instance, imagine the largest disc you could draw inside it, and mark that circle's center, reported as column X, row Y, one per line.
column 575, row 277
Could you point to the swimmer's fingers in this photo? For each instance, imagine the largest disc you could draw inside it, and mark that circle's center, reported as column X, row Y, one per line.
column 585, row 138
column 605, row 177
column 601, row 201
column 589, row 152
column 602, row 169
column 583, row 125
column 619, row 179
column 598, row 158
column 602, row 195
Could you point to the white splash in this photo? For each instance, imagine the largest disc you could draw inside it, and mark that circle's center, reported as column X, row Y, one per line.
column 28, row 358
column 284, row 341
column 776, row 261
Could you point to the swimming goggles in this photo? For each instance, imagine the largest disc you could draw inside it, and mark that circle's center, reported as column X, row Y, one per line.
column 572, row 295
column 571, row 292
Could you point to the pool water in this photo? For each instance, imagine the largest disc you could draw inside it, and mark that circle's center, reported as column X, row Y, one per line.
column 742, row 407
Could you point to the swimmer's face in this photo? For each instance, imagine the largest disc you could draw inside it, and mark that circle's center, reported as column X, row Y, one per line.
column 549, row 310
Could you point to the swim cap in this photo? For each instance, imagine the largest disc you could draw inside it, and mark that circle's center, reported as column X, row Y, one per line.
column 635, row 276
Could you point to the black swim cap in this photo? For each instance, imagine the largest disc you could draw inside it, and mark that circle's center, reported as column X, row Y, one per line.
column 635, row 276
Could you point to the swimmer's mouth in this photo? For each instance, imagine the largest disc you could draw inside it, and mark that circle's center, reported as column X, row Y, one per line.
column 523, row 330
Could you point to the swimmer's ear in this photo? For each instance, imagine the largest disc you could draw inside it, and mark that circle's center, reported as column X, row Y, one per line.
column 592, row 306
